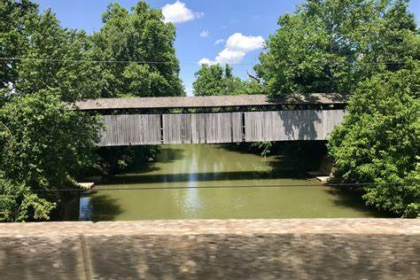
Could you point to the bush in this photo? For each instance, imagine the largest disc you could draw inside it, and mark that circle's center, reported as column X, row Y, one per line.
column 46, row 147
column 379, row 142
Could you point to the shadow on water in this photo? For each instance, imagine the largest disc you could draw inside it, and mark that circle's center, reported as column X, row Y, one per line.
column 279, row 168
column 207, row 176
column 170, row 155
column 165, row 155
column 100, row 207
column 353, row 199
column 242, row 148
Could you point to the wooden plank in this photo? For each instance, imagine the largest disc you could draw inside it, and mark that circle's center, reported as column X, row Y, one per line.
column 237, row 134
column 219, row 128
column 145, row 129
column 172, row 129
column 126, row 130
column 291, row 125
column 198, row 128
column 150, row 123
column 201, row 128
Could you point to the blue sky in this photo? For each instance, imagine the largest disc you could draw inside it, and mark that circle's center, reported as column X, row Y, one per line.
column 238, row 26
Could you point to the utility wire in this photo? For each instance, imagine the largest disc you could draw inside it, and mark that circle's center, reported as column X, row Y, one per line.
column 214, row 187
column 175, row 62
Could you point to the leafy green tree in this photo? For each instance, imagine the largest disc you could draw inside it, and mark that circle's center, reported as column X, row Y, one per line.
column 332, row 45
column 46, row 146
column 143, row 81
column 15, row 19
column 214, row 80
column 210, row 80
column 379, row 142
column 47, row 56
column 132, row 38
column 58, row 59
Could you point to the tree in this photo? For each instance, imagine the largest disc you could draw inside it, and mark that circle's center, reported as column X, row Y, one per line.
column 46, row 147
column 45, row 55
column 379, row 142
column 332, row 45
column 133, row 38
column 58, row 59
column 214, row 80
column 15, row 18
column 210, row 80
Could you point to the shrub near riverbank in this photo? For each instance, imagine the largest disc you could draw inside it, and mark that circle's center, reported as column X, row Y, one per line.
column 47, row 146
column 379, row 142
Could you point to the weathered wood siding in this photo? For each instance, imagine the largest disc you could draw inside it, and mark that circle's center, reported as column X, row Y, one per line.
column 202, row 128
column 219, row 127
column 126, row 130
column 154, row 129
column 291, row 125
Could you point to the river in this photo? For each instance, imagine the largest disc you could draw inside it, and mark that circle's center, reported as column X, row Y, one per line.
column 216, row 182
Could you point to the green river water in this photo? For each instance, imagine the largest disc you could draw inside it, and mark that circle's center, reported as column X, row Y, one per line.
column 216, row 182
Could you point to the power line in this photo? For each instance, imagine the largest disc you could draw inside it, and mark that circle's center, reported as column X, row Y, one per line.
column 84, row 60
column 216, row 187
column 52, row 60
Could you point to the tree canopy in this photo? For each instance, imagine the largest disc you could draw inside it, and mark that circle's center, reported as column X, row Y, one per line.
column 132, row 38
column 47, row 145
column 379, row 142
column 369, row 49
column 332, row 45
column 44, row 145
column 216, row 80
column 43, row 55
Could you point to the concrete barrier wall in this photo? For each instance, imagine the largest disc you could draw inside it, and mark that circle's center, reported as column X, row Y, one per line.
column 212, row 249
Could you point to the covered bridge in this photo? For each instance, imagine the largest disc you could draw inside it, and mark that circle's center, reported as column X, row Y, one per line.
column 216, row 119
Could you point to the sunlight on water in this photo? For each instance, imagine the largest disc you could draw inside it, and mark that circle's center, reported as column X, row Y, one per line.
column 216, row 182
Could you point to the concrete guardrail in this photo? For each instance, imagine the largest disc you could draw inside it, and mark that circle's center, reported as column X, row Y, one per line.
column 212, row 249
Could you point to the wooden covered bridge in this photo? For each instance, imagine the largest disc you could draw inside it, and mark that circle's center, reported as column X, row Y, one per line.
column 216, row 119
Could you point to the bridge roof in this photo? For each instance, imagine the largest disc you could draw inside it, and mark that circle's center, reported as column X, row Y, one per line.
column 208, row 101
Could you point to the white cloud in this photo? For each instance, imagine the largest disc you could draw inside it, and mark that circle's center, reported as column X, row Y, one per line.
column 204, row 34
column 206, row 61
column 229, row 56
column 178, row 12
column 236, row 48
column 220, row 41
column 240, row 42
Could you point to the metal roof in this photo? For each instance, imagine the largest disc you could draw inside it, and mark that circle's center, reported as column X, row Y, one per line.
column 208, row 101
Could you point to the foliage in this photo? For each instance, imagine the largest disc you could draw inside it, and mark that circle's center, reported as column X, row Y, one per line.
column 48, row 145
column 139, row 36
column 117, row 159
column 264, row 148
column 18, row 203
column 44, row 145
column 53, row 58
column 214, row 80
column 379, row 141
column 332, row 45
column 15, row 18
